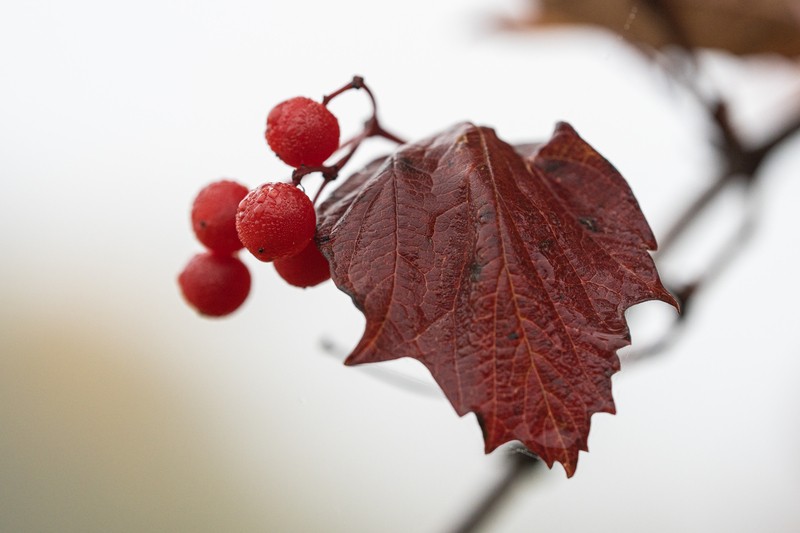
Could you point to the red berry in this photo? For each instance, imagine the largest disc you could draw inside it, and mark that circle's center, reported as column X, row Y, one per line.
column 214, row 215
column 275, row 220
column 306, row 269
column 215, row 284
column 302, row 132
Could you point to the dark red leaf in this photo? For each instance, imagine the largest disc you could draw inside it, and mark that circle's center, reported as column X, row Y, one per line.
column 505, row 272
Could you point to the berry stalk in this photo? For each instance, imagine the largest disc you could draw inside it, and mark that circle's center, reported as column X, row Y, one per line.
column 372, row 128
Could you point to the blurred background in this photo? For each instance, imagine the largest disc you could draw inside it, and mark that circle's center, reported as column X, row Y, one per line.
column 122, row 410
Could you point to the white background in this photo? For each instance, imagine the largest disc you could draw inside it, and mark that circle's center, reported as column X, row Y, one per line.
column 121, row 410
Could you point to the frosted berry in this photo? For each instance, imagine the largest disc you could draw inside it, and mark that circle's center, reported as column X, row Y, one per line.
column 275, row 220
column 214, row 215
column 215, row 284
column 302, row 132
column 305, row 269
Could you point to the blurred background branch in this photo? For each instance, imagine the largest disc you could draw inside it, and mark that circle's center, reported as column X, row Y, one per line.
column 673, row 35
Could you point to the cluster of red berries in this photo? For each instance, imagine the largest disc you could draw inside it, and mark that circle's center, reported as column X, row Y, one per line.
column 276, row 222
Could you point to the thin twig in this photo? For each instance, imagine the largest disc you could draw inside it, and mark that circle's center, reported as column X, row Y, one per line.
column 685, row 294
column 741, row 164
column 518, row 466
column 690, row 214
column 372, row 128
column 789, row 131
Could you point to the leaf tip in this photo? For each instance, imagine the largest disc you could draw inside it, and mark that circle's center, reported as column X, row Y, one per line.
column 564, row 128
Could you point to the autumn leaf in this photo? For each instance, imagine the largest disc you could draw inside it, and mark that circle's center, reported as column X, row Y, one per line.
column 741, row 27
column 505, row 271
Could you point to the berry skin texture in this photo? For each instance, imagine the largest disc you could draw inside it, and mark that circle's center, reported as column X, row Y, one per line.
column 276, row 220
column 214, row 215
column 215, row 284
column 302, row 132
column 306, row 269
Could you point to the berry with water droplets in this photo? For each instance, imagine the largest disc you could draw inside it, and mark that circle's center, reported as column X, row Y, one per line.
column 302, row 132
column 275, row 220
column 215, row 284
